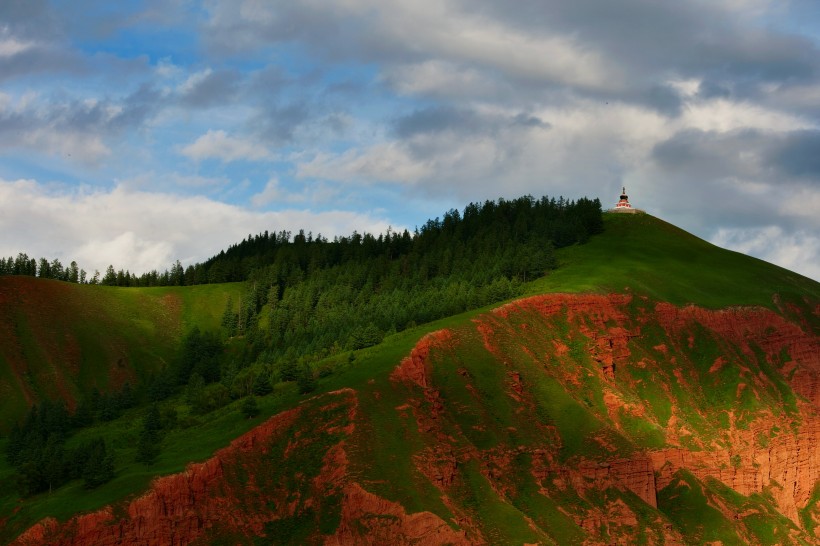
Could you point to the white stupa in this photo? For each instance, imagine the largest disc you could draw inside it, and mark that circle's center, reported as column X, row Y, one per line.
column 623, row 205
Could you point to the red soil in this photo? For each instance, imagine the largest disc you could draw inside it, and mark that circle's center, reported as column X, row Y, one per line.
column 202, row 502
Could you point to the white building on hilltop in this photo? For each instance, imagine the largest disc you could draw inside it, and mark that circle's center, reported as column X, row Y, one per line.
column 623, row 205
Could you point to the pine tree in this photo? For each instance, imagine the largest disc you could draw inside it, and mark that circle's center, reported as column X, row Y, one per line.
column 147, row 448
column 99, row 465
column 305, row 380
column 261, row 385
column 250, row 408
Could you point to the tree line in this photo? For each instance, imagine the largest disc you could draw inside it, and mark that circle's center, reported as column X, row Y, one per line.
column 560, row 222
column 54, row 269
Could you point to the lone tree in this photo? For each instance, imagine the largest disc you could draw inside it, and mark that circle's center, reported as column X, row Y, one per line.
column 250, row 409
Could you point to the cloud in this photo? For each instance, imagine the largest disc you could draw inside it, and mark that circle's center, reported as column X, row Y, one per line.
column 209, row 88
column 798, row 154
column 279, row 124
column 217, row 144
column 79, row 129
column 372, row 30
column 269, row 194
column 798, row 251
column 382, row 162
column 275, row 193
column 141, row 231
column 10, row 46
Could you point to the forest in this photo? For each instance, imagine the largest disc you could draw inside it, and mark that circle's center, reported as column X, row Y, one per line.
column 305, row 298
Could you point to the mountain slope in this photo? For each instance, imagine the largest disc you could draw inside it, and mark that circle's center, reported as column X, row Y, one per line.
column 645, row 255
column 60, row 340
column 673, row 398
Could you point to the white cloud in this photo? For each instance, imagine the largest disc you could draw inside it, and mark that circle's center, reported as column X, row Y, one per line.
column 87, row 148
column 723, row 115
column 166, row 68
column 10, row 47
column 217, row 144
column 387, row 161
column 194, row 80
column 141, row 231
column 269, row 194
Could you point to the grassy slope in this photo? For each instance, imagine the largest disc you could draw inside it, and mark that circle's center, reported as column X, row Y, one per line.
column 62, row 340
column 637, row 253
column 646, row 255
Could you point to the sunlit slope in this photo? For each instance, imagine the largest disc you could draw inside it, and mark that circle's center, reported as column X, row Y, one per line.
column 59, row 340
column 646, row 255
column 585, row 419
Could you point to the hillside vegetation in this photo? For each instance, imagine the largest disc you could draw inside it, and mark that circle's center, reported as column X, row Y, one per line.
column 61, row 340
column 639, row 409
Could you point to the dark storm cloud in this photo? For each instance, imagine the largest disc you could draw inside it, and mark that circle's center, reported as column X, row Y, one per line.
column 33, row 26
column 798, row 154
column 323, row 28
column 216, row 88
column 774, row 158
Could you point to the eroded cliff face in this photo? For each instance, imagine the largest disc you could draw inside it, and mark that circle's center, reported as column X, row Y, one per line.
column 559, row 419
column 282, row 481
column 750, row 433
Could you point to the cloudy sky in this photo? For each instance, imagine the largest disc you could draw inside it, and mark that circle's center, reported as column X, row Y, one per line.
column 136, row 133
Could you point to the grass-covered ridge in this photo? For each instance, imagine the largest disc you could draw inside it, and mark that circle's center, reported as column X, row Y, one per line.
column 645, row 255
column 60, row 340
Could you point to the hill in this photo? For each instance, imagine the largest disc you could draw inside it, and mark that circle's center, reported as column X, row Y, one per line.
column 652, row 389
column 62, row 340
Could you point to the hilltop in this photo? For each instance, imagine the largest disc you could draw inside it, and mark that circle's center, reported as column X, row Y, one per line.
column 652, row 388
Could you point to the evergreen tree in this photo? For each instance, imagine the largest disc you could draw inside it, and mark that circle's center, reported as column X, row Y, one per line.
column 152, row 422
column 250, row 408
column 261, row 385
column 147, row 448
column 229, row 319
column 110, row 278
column 99, row 464
column 305, row 380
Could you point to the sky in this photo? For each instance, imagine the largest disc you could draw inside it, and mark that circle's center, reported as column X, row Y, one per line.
column 139, row 133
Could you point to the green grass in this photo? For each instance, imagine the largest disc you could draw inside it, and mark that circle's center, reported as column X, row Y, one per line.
column 64, row 339
column 646, row 255
column 806, row 513
column 500, row 522
column 686, row 503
